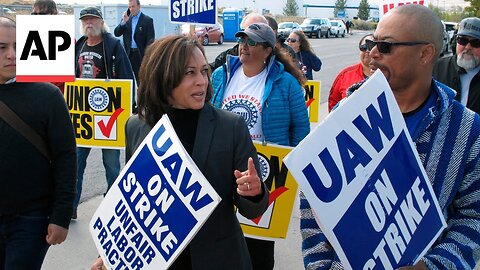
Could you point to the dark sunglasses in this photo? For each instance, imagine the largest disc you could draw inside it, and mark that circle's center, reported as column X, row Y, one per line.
column 38, row 13
column 386, row 47
column 246, row 40
column 474, row 42
column 363, row 47
column 292, row 40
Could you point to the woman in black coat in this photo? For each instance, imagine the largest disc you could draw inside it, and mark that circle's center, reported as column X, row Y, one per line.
column 175, row 80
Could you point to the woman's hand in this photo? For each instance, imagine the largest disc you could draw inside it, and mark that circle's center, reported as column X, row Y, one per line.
column 248, row 182
column 98, row 264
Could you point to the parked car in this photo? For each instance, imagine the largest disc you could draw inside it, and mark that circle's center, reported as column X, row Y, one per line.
column 285, row 28
column 446, row 40
column 450, row 27
column 453, row 42
column 6, row 10
column 316, row 27
column 338, row 28
column 206, row 33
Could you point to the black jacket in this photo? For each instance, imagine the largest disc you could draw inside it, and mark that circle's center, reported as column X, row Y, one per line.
column 222, row 144
column 144, row 33
column 28, row 180
column 448, row 72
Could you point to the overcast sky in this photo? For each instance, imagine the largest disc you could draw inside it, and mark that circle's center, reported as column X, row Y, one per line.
column 255, row 5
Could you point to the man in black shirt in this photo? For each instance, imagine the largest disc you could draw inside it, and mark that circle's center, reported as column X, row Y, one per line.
column 36, row 192
column 99, row 55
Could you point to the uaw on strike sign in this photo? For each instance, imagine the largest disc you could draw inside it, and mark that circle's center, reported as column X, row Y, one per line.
column 362, row 176
column 193, row 11
column 45, row 48
column 99, row 110
column 155, row 207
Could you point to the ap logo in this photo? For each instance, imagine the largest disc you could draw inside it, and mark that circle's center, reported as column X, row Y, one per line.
column 45, row 48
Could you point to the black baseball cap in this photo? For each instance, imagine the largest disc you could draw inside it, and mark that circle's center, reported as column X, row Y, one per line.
column 91, row 11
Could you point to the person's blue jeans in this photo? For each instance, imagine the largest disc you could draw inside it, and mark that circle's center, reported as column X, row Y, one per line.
column 23, row 242
column 111, row 162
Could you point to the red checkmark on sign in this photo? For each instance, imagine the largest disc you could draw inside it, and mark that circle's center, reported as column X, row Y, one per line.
column 310, row 101
column 107, row 129
column 273, row 196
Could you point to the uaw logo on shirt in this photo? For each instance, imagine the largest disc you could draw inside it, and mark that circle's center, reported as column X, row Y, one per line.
column 250, row 108
column 246, row 109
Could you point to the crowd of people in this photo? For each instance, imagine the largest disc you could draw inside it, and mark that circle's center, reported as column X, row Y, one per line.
column 251, row 92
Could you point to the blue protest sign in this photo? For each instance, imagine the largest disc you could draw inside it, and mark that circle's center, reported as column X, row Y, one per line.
column 396, row 216
column 193, row 12
column 362, row 176
column 155, row 207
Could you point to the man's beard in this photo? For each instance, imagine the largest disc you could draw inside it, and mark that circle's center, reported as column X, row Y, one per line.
column 468, row 60
column 93, row 32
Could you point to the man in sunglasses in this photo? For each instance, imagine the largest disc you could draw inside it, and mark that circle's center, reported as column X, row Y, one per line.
column 405, row 46
column 36, row 189
column 462, row 71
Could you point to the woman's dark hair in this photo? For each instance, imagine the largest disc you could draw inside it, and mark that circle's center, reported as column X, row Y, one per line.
column 304, row 43
column 363, row 38
column 162, row 70
column 284, row 57
column 46, row 6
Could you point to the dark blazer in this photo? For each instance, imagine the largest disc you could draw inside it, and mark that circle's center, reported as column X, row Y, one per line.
column 222, row 144
column 144, row 33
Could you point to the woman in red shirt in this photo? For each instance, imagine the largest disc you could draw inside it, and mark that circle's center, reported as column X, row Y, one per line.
column 351, row 74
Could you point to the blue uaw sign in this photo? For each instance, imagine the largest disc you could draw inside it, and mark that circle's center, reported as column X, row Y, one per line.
column 363, row 178
column 193, row 11
column 155, row 207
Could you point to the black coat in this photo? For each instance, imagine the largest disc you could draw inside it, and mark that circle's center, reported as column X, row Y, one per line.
column 222, row 144
column 144, row 33
column 448, row 72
